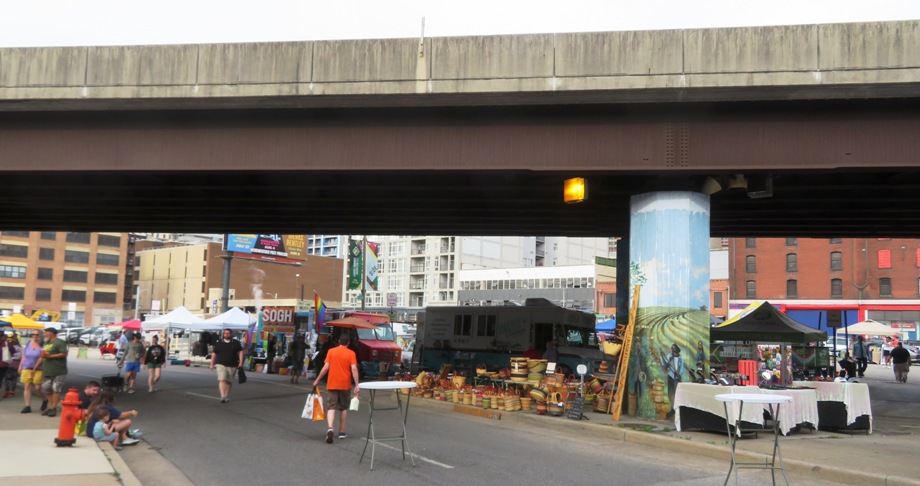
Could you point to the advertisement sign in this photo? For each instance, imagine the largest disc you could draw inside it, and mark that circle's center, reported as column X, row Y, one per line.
column 372, row 265
column 270, row 248
column 278, row 319
column 355, row 264
column 834, row 318
column 44, row 315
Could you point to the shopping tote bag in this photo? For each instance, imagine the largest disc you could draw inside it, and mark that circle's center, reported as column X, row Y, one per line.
column 313, row 409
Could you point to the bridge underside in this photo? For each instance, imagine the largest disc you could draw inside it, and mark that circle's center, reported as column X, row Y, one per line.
column 837, row 168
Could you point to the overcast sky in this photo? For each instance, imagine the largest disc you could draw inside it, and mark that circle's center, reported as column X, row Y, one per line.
column 125, row 22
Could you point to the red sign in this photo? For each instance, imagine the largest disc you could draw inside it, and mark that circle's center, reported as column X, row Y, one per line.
column 904, row 325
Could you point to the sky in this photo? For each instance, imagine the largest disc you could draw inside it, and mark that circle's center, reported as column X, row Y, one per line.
column 35, row 23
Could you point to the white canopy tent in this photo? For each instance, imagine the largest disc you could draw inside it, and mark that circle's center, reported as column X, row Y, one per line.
column 178, row 317
column 868, row 327
column 234, row 319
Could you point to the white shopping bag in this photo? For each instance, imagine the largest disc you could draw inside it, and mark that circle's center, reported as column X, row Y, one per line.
column 308, row 408
column 355, row 403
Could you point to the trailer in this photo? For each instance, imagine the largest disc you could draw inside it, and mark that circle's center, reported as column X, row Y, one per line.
column 467, row 336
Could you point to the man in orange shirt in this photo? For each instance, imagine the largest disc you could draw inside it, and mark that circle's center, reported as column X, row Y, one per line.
column 342, row 367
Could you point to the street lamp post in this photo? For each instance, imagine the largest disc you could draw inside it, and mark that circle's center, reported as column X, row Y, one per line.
column 137, row 301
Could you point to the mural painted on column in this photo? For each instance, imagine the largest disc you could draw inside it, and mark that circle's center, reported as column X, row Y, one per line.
column 669, row 259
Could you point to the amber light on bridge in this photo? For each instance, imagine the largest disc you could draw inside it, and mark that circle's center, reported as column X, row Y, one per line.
column 575, row 190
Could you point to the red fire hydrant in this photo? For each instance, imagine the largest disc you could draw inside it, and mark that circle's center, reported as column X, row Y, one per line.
column 70, row 415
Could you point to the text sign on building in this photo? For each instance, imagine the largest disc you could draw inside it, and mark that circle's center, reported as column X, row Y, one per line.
column 834, row 318
column 278, row 319
column 391, row 299
column 270, row 248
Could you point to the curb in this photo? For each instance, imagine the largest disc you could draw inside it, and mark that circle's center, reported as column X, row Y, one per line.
column 124, row 473
column 836, row 474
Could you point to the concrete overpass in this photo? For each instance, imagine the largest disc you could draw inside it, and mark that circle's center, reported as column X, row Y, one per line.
column 469, row 135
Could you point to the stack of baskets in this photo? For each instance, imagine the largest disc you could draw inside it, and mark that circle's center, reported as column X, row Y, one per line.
column 519, row 370
column 536, row 369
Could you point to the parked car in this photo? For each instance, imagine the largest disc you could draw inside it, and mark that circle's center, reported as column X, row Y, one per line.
column 914, row 348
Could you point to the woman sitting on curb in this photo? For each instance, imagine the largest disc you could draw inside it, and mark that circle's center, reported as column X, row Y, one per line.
column 120, row 421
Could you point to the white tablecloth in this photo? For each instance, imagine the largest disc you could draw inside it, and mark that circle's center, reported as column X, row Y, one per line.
column 855, row 396
column 802, row 410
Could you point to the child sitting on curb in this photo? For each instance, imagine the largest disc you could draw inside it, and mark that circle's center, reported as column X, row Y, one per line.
column 104, row 430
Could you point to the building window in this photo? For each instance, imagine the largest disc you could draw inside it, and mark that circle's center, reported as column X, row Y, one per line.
column 21, row 234
column 717, row 300
column 836, row 288
column 836, row 241
column 16, row 251
column 76, row 256
column 751, row 288
column 792, row 288
column 73, row 296
column 884, row 258
column 485, row 326
column 884, row 287
column 750, row 264
column 750, row 242
column 792, row 241
column 109, row 240
column 12, row 271
column 104, row 297
column 49, row 235
column 46, row 274
column 78, row 238
column 103, row 259
column 836, row 261
column 46, row 254
column 109, row 278
column 610, row 300
column 792, row 262
column 43, row 295
column 463, row 325
column 77, row 276
column 14, row 293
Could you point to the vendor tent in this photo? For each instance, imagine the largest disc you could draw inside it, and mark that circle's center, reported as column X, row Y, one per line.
column 350, row 322
column 179, row 317
column 606, row 326
column 868, row 327
column 129, row 325
column 234, row 319
column 19, row 321
column 765, row 324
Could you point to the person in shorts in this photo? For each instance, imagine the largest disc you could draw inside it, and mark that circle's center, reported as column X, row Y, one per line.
column 134, row 353
column 227, row 357
column 104, row 429
column 30, row 371
column 155, row 358
column 341, row 366
column 54, row 369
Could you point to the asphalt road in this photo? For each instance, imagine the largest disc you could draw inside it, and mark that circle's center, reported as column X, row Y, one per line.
column 259, row 438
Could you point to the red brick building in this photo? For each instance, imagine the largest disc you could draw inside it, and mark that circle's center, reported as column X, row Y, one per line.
column 877, row 278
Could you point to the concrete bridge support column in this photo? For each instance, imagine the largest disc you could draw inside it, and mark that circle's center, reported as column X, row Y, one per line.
column 669, row 259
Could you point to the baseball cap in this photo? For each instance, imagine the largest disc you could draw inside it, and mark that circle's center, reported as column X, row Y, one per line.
column 52, row 330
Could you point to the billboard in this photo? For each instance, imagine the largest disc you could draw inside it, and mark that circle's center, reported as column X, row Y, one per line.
column 269, row 248
column 278, row 319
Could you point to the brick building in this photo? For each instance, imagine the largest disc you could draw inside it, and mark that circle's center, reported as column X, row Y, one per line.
column 877, row 278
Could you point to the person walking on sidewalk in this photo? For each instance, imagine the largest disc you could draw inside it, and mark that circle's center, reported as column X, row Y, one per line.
column 30, row 371
column 298, row 353
column 134, row 353
column 54, row 369
column 11, row 377
column 155, row 358
column 861, row 354
column 227, row 356
column 341, row 366
column 900, row 356
column 886, row 351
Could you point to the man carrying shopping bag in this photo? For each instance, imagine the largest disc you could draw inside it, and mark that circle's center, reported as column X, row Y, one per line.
column 342, row 366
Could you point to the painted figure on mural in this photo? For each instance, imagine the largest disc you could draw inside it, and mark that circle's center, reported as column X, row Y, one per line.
column 674, row 364
column 700, row 357
column 638, row 359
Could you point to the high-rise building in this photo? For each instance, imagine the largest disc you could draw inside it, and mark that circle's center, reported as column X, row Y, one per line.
column 419, row 271
column 80, row 275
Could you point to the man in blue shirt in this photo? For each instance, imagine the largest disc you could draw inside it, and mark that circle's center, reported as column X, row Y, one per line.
column 674, row 364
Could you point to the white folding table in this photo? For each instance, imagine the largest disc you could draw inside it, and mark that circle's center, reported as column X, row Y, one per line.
column 760, row 399
column 372, row 439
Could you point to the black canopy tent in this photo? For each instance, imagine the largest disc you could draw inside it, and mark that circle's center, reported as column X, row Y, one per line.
column 765, row 324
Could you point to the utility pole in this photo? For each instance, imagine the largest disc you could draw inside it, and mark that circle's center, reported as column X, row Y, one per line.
column 225, row 292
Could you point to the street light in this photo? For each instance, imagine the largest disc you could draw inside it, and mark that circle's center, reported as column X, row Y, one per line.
column 137, row 301
column 299, row 286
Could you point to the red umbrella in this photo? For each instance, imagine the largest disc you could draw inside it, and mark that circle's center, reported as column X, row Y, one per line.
column 350, row 322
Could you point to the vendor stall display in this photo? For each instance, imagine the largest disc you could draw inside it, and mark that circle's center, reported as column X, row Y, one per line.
column 842, row 406
column 697, row 408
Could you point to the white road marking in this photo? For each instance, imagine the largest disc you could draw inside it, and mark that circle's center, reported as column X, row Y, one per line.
column 203, row 396
column 421, row 458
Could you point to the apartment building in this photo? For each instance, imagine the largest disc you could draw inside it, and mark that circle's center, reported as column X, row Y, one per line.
column 80, row 275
